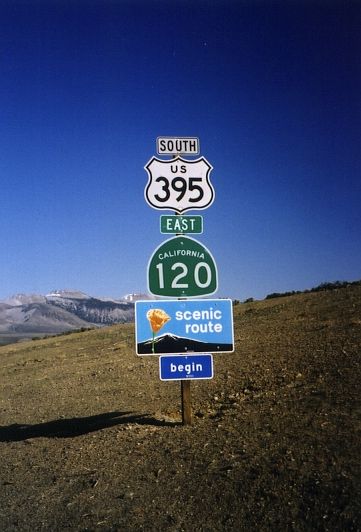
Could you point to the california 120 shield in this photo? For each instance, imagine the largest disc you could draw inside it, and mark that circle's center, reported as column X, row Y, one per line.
column 182, row 267
column 179, row 184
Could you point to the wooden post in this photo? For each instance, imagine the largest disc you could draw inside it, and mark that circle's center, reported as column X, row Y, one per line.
column 186, row 402
column 185, row 384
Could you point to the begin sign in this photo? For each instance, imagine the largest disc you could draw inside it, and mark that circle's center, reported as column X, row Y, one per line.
column 181, row 367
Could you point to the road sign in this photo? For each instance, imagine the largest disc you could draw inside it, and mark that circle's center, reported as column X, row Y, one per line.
column 185, row 367
column 181, row 224
column 183, row 326
column 179, row 184
column 182, row 267
column 178, row 145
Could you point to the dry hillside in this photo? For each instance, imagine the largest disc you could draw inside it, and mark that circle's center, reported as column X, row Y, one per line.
column 91, row 439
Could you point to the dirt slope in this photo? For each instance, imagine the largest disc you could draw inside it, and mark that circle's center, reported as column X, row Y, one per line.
column 91, row 439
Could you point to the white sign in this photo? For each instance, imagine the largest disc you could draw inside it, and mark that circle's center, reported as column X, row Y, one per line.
column 179, row 184
column 178, row 146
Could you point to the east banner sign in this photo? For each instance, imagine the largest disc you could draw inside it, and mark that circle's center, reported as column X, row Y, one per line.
column 179, row 184
column 184, row 326
column 182, row 267
column 181, row 224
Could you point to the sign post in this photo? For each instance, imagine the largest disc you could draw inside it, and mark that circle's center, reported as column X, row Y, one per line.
column 186, row 402
column 182, row 330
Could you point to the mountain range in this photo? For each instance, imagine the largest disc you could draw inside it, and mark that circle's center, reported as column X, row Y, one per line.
column 60, row 311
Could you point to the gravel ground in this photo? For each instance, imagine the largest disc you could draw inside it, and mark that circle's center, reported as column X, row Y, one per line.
column 91, row 439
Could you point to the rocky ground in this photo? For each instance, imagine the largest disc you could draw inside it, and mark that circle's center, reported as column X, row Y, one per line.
column 91, row 439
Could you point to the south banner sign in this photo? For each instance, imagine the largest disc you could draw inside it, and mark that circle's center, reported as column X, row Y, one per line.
column 184, row 326
column 182, row 267
column 178, row 145
column 179, row 184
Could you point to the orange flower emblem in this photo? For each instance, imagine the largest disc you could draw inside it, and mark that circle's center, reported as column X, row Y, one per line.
column 157, row 319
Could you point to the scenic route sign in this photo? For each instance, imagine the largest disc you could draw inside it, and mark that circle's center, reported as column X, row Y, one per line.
column 181, row 367
column 182, row 267
column 178, row 146
column 183, row 326
column 181, row 224
column 179, row 184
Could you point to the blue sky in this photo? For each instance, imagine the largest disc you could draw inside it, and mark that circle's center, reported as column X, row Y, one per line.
column 271, row 89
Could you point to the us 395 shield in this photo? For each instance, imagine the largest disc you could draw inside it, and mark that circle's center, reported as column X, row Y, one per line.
column 179, row 184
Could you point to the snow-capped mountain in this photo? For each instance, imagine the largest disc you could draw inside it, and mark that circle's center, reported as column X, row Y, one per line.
column 91, row 309
column 24, row 299
column 35, row 318
column 60, row 311
column 67, row 294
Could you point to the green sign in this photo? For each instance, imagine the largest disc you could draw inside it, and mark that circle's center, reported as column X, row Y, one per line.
column 181, row 224
column 182, row 267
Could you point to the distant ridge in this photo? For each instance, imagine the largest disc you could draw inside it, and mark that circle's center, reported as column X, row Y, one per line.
column 60, row 311
column 67, row 294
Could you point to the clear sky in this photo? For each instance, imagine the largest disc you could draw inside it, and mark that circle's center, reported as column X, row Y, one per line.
column 273, row 91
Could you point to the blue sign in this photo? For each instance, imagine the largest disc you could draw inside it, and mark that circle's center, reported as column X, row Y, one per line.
column 183, row 326
column 185, row 367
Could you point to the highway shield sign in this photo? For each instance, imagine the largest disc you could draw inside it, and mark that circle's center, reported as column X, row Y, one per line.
column 182, row 267
column 179, row 184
